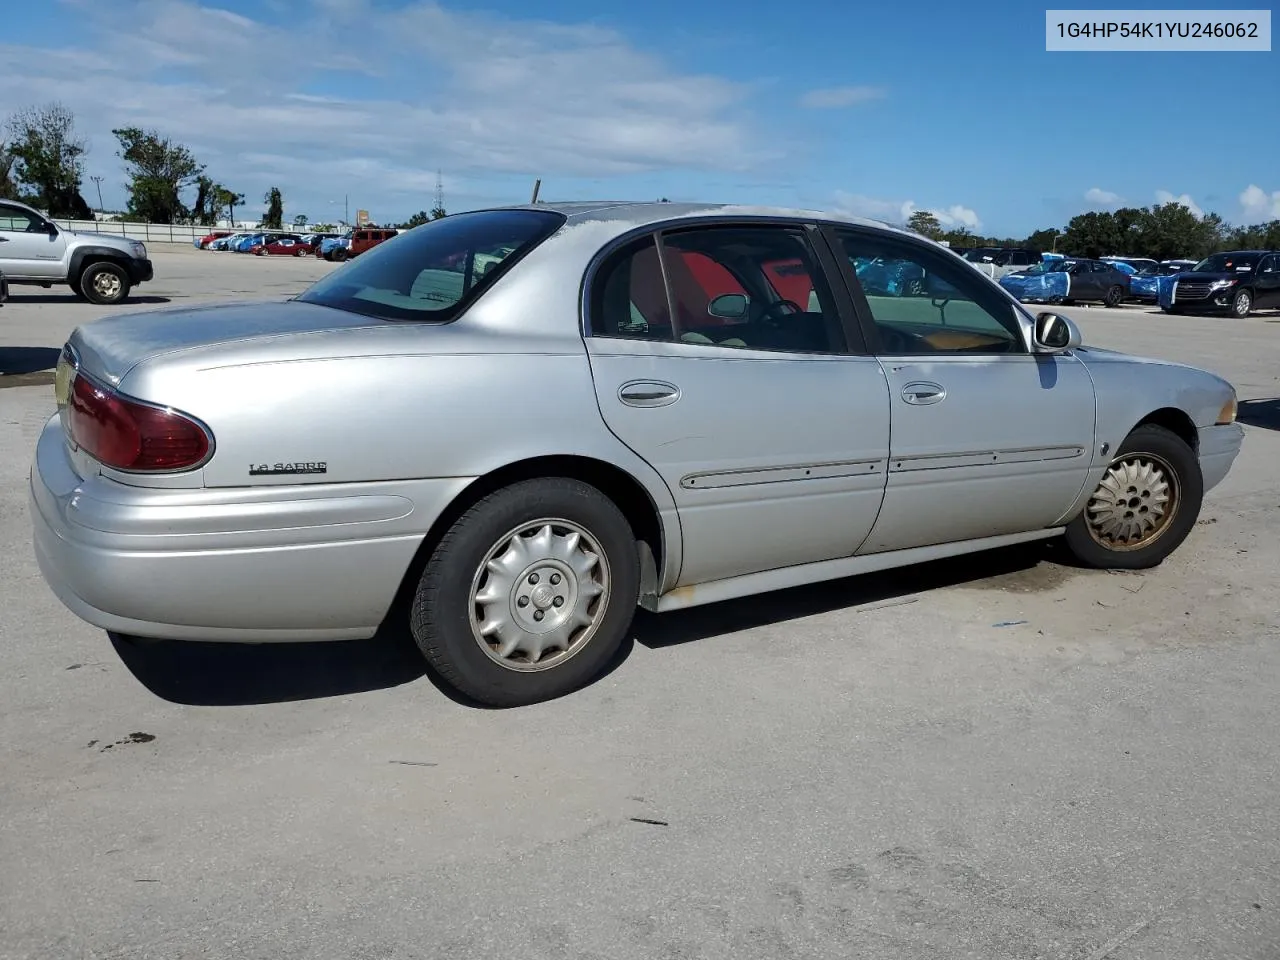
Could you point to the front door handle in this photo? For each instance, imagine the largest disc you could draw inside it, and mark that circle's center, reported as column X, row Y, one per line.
column 648, row 393
column 921, row 392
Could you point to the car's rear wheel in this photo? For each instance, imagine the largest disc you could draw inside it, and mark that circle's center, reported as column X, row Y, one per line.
column 104, row 283
column 530, row 592
column 1114, row 296
column 1241, row 304
column 1145, row 506
column 340, row 254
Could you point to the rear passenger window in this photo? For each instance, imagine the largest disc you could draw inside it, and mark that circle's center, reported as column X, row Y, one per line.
column 746, row 287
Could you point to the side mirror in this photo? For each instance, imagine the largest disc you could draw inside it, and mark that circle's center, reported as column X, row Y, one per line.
column 729, row 306
column 4, row 289
column 1055, row 333
column 51, row 228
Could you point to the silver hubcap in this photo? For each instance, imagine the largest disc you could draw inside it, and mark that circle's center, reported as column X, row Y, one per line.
column 1134, row 504
column 540, row 595
column 1242, row 304
column 106, row 284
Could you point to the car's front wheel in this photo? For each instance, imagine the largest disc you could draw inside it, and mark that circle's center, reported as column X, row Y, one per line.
column 1145, row 506
column 530, row 592
column 1241, row 304
column 104, row 283
column 1114, row 296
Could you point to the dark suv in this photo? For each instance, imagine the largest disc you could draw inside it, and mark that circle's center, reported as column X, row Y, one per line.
column 1235, row 283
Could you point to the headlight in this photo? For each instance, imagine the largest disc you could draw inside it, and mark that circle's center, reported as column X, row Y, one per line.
column 1228, row 412
column 139, row 249
column 1221, row 284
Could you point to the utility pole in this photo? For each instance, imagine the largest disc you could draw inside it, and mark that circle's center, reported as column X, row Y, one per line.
column 439, row 193
column 98, row 182
column 537, row 185
column 346, row 210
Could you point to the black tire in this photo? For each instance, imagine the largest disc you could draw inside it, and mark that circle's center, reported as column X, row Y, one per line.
column 444, row 607
column 1165, row 450
column 340, row 254
column 104, row 283
column 1242, row 304
column 1114, row 296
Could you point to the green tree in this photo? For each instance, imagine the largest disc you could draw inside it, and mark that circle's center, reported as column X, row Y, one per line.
column 8, row 189
column 273, row 219
column 204, row 212
column 1042, row 239
column 48, row 158
column 1172, row 230
column 417, row 220
column 228, row 200
column 1258, row 236
column 1093, row 234
column 925, row 223
column 159, row 170
column 438, row 212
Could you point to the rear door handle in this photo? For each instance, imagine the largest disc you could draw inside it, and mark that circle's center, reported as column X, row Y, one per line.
column 921, row 392
column 648, row 393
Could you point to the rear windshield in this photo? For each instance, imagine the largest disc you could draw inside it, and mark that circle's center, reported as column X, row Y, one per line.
column 430, row 273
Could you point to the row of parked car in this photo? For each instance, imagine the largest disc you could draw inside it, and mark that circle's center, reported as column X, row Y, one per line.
column 1235, row 282
column 329, row 246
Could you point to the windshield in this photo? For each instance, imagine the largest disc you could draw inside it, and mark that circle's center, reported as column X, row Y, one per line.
column 432, row 272
column 1226, row 263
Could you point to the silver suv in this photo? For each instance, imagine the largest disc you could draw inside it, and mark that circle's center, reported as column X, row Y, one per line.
column 35, row 250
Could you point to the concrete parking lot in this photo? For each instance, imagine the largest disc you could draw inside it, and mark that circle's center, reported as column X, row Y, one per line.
column 997, row 757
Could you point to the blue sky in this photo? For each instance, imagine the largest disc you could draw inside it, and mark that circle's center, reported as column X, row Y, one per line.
column 877, row 109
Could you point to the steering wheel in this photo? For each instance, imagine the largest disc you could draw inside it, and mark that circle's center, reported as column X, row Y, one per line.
column 767, row 315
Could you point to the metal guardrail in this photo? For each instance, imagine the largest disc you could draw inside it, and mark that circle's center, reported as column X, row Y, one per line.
column 146, row 232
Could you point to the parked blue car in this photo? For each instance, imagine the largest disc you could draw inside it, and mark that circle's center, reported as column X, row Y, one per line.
column 1149, row 286
column 243, row 245
column 888, row 277
column 330, row 244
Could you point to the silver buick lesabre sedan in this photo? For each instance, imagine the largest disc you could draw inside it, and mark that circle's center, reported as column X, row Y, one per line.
column 529, row 421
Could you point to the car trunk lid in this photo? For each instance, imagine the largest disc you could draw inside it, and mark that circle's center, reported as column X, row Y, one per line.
column 109, row 348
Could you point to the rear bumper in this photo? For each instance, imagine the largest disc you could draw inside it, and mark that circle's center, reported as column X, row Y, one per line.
column 1219, row 447
column 258, row 565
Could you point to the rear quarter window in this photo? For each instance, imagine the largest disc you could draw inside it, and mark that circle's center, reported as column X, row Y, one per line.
column 432, row 273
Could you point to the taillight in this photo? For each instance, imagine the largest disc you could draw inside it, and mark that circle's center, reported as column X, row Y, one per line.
column 125, row 434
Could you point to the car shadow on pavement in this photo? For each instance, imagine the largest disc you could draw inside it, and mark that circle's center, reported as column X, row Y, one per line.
column 238, row 674
column 668, row 629
column 1260, row 413
column 15, row 361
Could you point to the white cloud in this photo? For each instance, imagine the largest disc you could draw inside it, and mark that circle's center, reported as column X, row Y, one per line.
column 830, row 98
column 1100, row 197
column 1164, row 196
column 1259, row 206
column 899, row 211
column 475, row 94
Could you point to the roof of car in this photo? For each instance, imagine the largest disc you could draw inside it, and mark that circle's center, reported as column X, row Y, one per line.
column 641, row 213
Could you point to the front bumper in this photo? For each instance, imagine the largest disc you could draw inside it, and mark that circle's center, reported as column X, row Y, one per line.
column 246, row 564
column 1219, row 447
column 139, row 269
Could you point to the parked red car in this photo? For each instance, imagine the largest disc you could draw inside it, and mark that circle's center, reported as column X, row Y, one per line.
column 282, row 247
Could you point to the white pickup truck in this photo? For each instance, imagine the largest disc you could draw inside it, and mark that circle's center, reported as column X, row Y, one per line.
column 36, row 251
